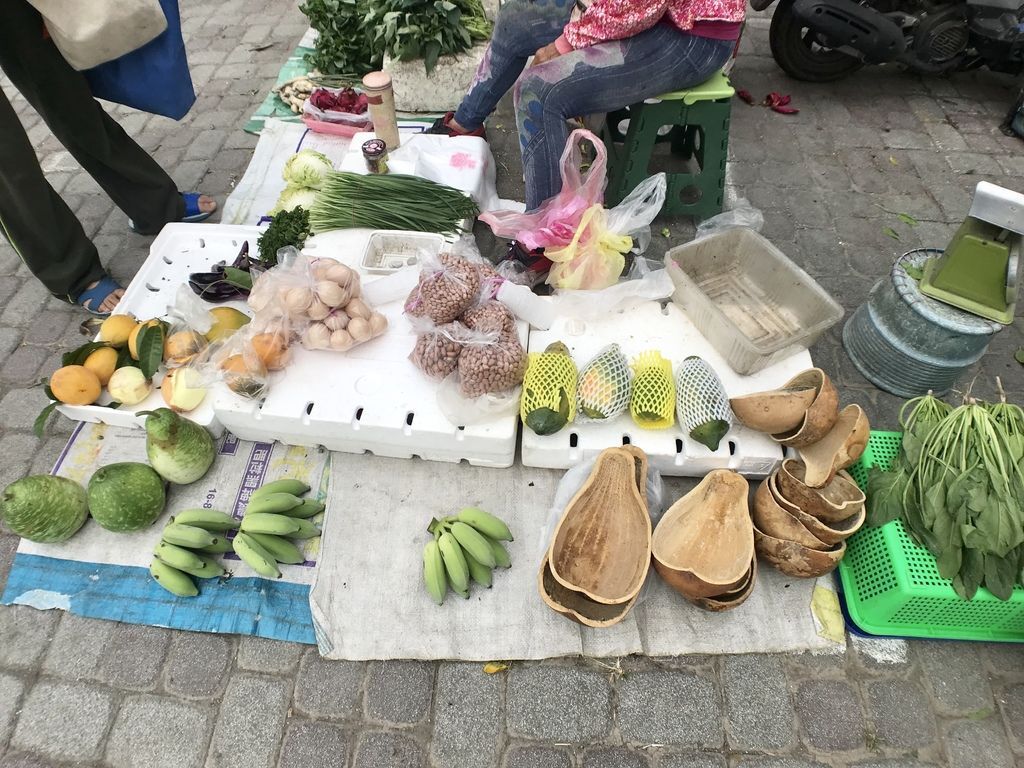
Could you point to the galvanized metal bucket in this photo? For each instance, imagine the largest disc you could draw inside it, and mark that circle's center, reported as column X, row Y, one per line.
column 907, row 343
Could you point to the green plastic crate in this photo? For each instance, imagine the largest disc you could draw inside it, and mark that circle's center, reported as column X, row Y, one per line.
column 892, row 586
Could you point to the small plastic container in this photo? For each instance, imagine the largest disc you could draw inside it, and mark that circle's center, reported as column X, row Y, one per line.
column 751, row 302
column 390, row 250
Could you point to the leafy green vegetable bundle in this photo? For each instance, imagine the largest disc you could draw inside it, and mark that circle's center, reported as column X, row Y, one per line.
column 391, row 201
column 958, row 486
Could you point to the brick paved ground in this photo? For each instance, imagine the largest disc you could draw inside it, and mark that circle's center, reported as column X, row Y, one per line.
column 81, row 692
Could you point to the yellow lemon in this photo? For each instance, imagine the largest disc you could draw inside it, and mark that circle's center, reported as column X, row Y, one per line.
column 75, row 385
column 102, row 362
column 133, row 338
column 116, row 329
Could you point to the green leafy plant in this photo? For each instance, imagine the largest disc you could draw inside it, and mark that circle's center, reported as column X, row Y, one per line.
column 286, row 228
column 344, row 44
column 427, row 29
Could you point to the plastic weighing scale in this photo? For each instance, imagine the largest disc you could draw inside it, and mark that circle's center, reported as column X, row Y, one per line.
column 980, row 268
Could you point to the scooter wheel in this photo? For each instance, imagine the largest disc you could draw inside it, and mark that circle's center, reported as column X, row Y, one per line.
column 797, row 51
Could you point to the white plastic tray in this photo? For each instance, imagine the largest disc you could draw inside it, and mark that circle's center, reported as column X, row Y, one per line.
column 370, row 398
column 177, row 251
column 672, row 451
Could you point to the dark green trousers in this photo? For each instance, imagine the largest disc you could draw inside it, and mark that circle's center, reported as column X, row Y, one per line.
column 33, row 217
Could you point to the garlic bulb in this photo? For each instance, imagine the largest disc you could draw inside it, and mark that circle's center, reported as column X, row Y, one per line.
column 378, row 324
column 337, row 320
column 332, row 294
column 342, row 341
column 360, row 329
column 317, row 336
column 358, row 308
column 318, row 310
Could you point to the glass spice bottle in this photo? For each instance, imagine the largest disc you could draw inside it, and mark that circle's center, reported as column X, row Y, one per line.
column 375, row 153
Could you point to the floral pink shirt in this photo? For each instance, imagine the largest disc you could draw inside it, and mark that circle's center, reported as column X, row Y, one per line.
column 618, row 19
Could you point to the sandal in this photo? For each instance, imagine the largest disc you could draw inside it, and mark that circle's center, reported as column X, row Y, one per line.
column 193, row 215
column 94, row 297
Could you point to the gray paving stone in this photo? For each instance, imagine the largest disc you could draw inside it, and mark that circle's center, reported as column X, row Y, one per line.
column 399, row 691
column 977, row 744
column 314, row 745
column 146, row 647
column 758, row 704
column 271, row 656
column 328, row 689
column 692, row 760
column 19, row 408
column 468, row 717
column 10, row 338
column 614, row 757
column 386, row 749
column 158, row 732
column 777, row 762
column 23, row 307
column 901, row 714
column 197, row 665
column 563, row 704
column 22, row 366
column 1004, row 660
column 537, row 757
column 671, row 708
column 26, row 634
column 956, row 676
column 880, row 655
column 1011, row 703
column 8, row 548
column 831, row 715
column 11, row 688
column 250, row 723
column 25, row 760
column 898, row 762
column 64, row 721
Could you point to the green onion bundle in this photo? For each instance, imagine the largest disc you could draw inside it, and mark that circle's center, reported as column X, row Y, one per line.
column 389, row 201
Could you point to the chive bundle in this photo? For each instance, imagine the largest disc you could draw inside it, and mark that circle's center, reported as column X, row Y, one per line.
column 391, row 201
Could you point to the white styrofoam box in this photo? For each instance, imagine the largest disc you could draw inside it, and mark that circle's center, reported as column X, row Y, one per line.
column 177, row 251
column 370, row 398
column 668, row 330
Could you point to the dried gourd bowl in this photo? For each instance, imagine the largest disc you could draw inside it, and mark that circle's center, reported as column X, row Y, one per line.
column 777, row 520
column 795, row 559
column 839, row 449
column 715, row 511
column 602, row 544
column 732, row 599
column 837, row 500
column 819, row 417
column 828, row 533
column 774, row 411
column 575, row 605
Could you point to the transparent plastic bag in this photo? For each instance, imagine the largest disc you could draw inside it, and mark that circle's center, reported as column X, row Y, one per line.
column 555, row 221
column 189, row 320
column 448, row 286
column 354, row 119
column 437, row 348
column 492, row 360
column 742, row 214
column 236, row 362
column 465, row 411
column 595, row 305
column 605, row 385
column 595, row 257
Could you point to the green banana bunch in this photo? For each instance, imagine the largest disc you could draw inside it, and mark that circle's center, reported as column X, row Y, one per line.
column 465, row 547
column 274, row 515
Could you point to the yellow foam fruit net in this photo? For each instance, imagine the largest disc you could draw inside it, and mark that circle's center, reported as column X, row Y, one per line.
column 604, row 386
column 653, row 404
column 548, row 402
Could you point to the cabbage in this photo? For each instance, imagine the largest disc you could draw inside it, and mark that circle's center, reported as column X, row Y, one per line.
column 307, row 168
column 294, row 196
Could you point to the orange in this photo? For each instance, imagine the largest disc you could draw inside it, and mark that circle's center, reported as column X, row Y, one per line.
column 75, row 385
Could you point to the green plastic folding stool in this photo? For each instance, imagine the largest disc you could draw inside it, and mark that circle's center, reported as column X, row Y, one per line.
column 700, row 120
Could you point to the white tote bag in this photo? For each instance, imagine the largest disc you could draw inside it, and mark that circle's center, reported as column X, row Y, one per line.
column 92, row 33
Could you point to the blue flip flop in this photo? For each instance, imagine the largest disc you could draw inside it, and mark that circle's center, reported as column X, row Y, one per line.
column 192, row 213
column 95, row 295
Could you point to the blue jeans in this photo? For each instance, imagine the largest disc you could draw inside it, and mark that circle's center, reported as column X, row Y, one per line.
column 601, row 78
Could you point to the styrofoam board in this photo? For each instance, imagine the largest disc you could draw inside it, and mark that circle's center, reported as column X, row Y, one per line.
column 370, row 398
column 672, row 451
column 177, row 251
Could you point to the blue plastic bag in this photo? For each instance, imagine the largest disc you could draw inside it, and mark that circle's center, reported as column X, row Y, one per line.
column 154, row 78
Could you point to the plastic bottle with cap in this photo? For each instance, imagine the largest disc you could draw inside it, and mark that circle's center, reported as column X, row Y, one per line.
column 526, row 305
column 381, row 98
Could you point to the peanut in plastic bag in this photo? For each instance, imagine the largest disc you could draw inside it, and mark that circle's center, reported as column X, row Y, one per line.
column 492, row 360
column 549, row 390
column 447, row 287
column 605, row 386
column 653, row 401
column 437, row 348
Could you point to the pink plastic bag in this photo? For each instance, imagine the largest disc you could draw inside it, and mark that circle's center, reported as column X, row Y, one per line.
column 555, row 222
